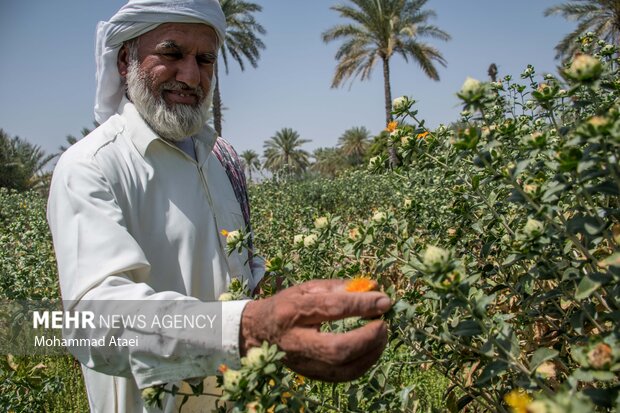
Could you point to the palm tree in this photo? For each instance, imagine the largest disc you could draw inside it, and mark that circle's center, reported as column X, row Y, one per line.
column 354, row 143
column 328, row 161
column 242, row 43
column 22, row 164
column 251, row 162
column 380, row 29
column 282, row 151
column 602, row 17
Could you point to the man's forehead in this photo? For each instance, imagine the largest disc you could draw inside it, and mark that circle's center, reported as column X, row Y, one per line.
column 180, row 34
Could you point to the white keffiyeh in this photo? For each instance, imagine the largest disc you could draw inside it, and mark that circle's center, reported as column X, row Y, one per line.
column 132, row 20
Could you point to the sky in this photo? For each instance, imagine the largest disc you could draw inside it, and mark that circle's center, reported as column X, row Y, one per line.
column 47, row 68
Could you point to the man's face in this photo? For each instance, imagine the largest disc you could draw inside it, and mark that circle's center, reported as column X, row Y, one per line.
column 169, row 75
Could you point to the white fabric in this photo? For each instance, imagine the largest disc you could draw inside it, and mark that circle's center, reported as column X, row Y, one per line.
column 135, row 218
column 132, row 20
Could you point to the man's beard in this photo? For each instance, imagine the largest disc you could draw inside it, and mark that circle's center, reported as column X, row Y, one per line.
column 173, row 123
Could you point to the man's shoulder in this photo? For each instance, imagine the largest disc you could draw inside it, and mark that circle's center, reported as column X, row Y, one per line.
column 104, row 137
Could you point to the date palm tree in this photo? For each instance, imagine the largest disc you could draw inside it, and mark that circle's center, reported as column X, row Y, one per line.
column 242, row 44
column 379, row 29
column 602, row 17
column 354, row 143
column 251, row 162
column 328, row 161
column 283, row 152
column 22, row 164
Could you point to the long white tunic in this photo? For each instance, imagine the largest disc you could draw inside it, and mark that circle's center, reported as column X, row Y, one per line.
column 135, row 218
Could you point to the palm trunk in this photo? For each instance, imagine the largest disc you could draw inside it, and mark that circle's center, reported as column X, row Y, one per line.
column 388, row 109
column 217, row 103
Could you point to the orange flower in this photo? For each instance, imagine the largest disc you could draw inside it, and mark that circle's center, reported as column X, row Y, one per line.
column 360, row 285
column 224, row 232
column 222, row 368
column 391, row 126
column 422, row 135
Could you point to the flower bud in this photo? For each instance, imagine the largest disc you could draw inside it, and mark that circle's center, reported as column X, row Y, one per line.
column 585, row 68
column 435, row 258
column 225, row 297
column 533, row 228
column 321, row 222
column 400, row 103
column 471, row 90
column 231, row 380
column 379, row 217
column 298, row 240
column 233, row 237
column 310, row 240
column 255, row 358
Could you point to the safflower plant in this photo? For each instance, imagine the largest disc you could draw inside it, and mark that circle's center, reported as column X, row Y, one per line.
column 498, row 238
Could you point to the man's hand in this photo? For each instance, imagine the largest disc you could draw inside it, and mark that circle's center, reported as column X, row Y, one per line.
column 292, row 318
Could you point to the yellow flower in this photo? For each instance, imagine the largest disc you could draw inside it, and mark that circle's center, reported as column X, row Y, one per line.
column 518, row 400
column 222, row 368
column 224, row 232
column 360, row 285
column 422, row 135
column 391, row 126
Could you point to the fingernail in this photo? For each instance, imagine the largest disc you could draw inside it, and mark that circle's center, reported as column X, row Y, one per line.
column 384, row 304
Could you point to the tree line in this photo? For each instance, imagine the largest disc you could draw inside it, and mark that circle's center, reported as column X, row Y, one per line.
column 372, row 32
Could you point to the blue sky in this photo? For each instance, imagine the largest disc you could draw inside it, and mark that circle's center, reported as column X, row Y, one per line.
column 47, row 70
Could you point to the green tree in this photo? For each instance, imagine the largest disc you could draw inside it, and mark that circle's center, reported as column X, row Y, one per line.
column 283, row 152
column 328, row 162
column 251, row 162
column 378, row 30
column 353, row 143
column 602, row 17
column 22, row 164
column 242, row 43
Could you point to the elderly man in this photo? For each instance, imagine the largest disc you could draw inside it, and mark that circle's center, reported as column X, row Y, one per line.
column 136, row 209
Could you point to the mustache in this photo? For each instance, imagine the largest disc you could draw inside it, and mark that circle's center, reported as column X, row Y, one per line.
column 175, row 85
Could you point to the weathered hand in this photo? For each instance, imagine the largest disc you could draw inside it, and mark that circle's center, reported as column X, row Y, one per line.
column 291, row 319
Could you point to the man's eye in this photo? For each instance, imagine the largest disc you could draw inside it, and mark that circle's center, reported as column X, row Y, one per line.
column 173, row 55
column 205, row 60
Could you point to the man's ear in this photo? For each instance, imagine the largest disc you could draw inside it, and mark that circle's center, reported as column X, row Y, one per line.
column 122, row 61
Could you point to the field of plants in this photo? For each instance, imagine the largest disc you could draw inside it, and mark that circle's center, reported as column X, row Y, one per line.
column 497, row 236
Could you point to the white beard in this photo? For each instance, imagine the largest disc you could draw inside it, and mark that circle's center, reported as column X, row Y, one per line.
column 173, row 123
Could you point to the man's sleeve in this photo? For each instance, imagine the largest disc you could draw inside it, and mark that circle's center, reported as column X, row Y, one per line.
column 103, row 269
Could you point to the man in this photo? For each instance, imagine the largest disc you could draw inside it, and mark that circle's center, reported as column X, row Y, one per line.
column 136, row 209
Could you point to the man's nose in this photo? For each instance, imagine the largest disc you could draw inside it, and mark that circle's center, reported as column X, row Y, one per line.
column 188, row 71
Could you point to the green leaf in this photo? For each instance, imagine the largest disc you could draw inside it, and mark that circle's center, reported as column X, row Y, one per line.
column 491, row 371
column 467, row 328
column 586, row 287
column 541, row 355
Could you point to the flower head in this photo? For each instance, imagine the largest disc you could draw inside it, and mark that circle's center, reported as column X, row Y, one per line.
column 422, row 135
column 321, row 222
column 360, row 285
column 255, row 358
column 471, row 90
column 436, row 258
column 298, row 240
column 310, row 240
column 584, row 68
column 518, row 400
column 400, row 103
column 231, row 379
column 533, row 228
column 379, row 217
column 600, row 356
column 225, row 297
column 391, row 126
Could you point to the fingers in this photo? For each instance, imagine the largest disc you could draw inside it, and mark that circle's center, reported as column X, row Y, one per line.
column 315, row 308
column 347, row 370
column 319, row 287
column 335, row 349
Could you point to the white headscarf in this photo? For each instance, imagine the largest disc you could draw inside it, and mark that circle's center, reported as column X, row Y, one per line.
column 132, row 20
